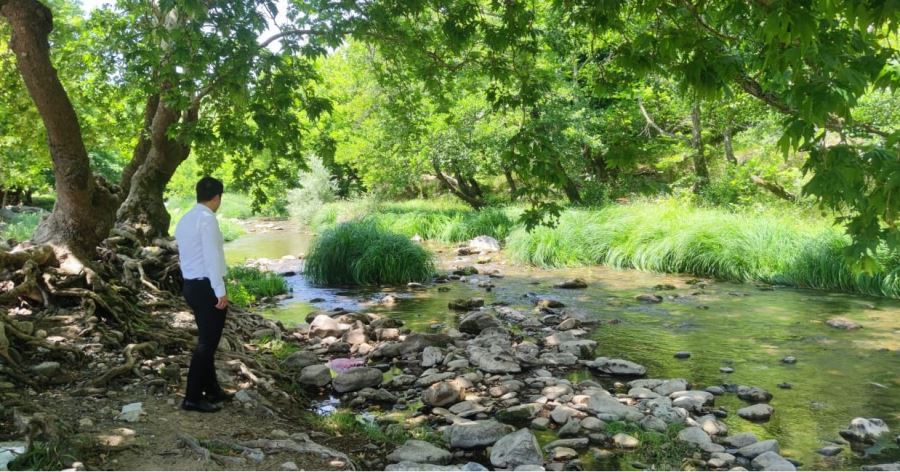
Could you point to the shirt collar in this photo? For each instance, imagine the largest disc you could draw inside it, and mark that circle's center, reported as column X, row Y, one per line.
column 204, row 208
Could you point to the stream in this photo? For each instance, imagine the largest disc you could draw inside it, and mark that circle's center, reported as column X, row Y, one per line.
column 839, row 374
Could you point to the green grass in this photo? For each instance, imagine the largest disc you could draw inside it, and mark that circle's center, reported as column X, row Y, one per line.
column 361, row 252
column 279, row 348
column 659, row 449
column 441, row 220
column 670, row 236
column 21, row 228
column 346, row 423
column 245, row 285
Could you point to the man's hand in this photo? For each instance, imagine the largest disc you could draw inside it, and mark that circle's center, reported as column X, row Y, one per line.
column 223, row 302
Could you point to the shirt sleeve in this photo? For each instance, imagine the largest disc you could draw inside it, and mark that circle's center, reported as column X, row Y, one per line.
column 213, row 254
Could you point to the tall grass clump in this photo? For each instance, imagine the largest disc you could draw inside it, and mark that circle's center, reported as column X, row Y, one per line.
column 361, row 252
column 438, row 220
column 674, row 237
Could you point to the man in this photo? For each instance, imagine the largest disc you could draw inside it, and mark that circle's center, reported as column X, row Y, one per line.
column 203, row 267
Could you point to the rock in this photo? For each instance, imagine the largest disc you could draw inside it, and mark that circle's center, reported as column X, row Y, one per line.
column 289, row 465
column 554, row 392
column 315, row 375
column 515, row 449
column 484, row 244
column 323, row 326
column 131, row 412
column 698, row 437
column 843, row 323
column 243, row 396
column 757, row 448
column 432, row 356
column 789, row 360
column 758, row 412
column 85, row 423
column 682, row 355
column 519, row 415
column 566, row 325
column 540, row 424
column 357, row 378
column 422, row 452
column 570, row 429
column 529, row 467
column 466, row 409
column 609, row 409
column 558, row 358
column 469, row 434
column 416, row 466
column 691, row 400
column 726, row 370
column 617, row 367
column 563, row 454
column 593, row 424
column 572, row 284
column 771, row 460
column 476, row 322
column 652, row 423
column 549, row 303
column 753, row 394
column 624, row 441
column 720, row 460
column 864, row 430
column 785, row 386
column 579, row 444
column 829, row 451
column 47, row 369
column 562, row 413
column 894, row 466
column 715, row 390
column 462, row 304
column 711, row 425
column 442, row 394
column 649, row 298
column 740, row 440
column 581, row 348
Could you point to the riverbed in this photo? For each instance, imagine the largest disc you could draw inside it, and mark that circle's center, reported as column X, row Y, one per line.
column 838, row 375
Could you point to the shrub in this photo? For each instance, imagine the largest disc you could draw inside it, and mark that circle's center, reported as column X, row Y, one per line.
column 361, row 252
column 21, row 227
column 316, row 188
column 245, row 285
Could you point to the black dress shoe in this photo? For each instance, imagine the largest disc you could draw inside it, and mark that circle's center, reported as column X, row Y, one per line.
column 202, row 406
column 219, row 397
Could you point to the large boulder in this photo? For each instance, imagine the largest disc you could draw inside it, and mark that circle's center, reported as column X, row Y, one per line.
column 420, row 452
column 492, row 352
column 315, row 375
column 357, row 378
column 864, row 430
column 469, row 434
column 477, row 321
column 620, row 367
column 515, row 449
column 442, row 394
column 323, row 326
column 298, row 360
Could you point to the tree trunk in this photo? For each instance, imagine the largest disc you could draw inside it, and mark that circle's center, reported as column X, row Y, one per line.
column 142, row 148
column 511, row 182
column 85, row 208
column 455, row 187
column 700, row 168
column 729, row 150
column 568, row 185
column 144, row 208
column 598, row 163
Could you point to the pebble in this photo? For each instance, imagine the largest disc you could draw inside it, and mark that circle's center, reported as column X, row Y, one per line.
column 625, row 441
column 289, row 465
column 726, row 370
column 829, row 451
column 564, row 454
column 785, row 386
column 682, row 355
column 789, row 360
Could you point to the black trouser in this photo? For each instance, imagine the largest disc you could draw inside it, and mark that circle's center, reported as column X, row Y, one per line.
column 210, row 321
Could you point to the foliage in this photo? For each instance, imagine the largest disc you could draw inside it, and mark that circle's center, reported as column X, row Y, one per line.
column 316, row 188
column 661, row 449
column 21, row 228
column 246, row 285
column 346, row 423
column 279, row 348
column 673, row 236
column 363, row 253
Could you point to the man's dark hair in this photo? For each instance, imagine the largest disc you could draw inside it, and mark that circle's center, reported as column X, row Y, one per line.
column 207, row 189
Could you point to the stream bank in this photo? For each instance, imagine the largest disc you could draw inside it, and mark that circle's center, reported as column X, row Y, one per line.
column 735, row 334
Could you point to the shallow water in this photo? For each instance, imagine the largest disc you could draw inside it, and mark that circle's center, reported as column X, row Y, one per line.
column 839, row 375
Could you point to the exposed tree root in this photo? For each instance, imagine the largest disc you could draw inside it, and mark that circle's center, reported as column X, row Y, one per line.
column 129, row 364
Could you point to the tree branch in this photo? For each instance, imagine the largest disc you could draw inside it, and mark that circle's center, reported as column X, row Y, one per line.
column 653, row 124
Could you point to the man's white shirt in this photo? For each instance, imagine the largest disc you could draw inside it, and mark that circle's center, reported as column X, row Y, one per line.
column 200, row 247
